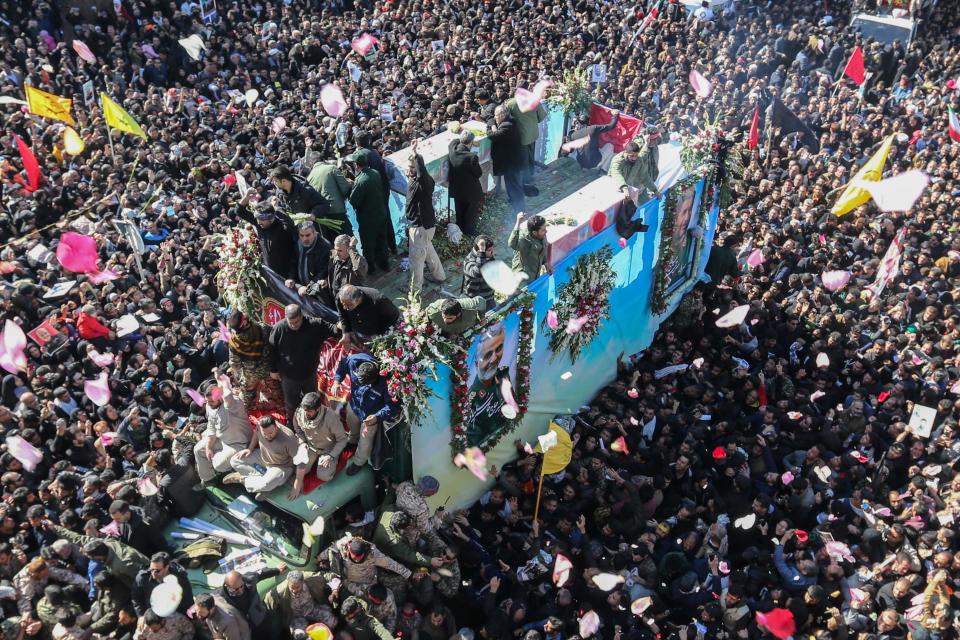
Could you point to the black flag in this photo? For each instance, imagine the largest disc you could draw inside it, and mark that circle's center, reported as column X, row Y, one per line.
column 780, row 117
column 276, row 296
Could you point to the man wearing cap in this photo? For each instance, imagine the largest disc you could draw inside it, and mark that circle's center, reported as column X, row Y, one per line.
column 454, row 316
column 410, row 499
column 638, row 167
column 321, row 431
column 277, row 234
column 227, row 432
column 421, row 223
column 356, row 561
column 463, row 181
column 268, row 461
column 327, row 178
column 371, row 406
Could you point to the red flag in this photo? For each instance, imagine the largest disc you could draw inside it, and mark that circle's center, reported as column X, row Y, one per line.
column 855, row 69
column 30, row 165
column 953, row 125
column 754, row 138
column 627, row 128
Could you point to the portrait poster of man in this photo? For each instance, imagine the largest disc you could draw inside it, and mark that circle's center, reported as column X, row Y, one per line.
column 682, row 244
column 492, row 366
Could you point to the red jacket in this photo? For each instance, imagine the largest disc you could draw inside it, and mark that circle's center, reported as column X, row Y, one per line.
column 89, row 327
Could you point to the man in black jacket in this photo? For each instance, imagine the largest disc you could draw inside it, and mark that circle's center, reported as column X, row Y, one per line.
column 134, row 530
column 463, row 181
column 278, row 236
column 161, row 566
column 296, row 342
column 585, row 141
column 509, row 157
column 313, row 258
column 296, row 195
column 364, row 313
column 421, row 222
column 241, row 592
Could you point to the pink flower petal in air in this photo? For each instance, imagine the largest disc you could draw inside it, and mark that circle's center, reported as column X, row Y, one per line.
column 589, row 624
column 787, row 477
column 900, row 192
column 622, row 242
column 107, row 438
column 332, row 100
column 28, row 455
column 552, row 321
column 77, row 253
column 540, row 89
column 82, row 50
column 835, row 280
column 279, row 124
column 363, row 43
column 224, row 331
column 101, row 359
column 526, row 100
column 99, row 277
column 701, row 85
column 197, row 397
column 575, row 324
column 823, row 360
column 734, row 317
column 755, row 259
column 633, row 393
column 475, row 462
column 98, row 390
column 561, row 569
column 13, row 343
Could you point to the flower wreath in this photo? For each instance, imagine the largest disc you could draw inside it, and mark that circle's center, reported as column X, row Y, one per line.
column 460, row 399
column 659, row 300
column 584, row 300
column 240, row 277
column 408, row 354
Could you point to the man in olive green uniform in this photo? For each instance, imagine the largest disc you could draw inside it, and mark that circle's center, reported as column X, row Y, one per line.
column 638, row 167
column 528, row 124
column 454, row 316
column 372, row 214
column 529, row 243
column 327, row 178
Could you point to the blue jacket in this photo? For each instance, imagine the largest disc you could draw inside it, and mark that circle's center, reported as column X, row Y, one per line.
column 793, row 580
column 370, row 399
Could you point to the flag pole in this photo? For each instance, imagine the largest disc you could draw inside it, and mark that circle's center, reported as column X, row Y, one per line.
column 536, row 509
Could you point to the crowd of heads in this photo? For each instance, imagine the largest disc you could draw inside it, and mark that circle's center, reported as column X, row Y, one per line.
column 776, row 474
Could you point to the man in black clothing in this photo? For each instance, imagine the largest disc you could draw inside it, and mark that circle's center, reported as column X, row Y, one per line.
column 296, row 195
column 421, row 223
column 296, row 342
column 135, row 530
column 161, row 566
column 364, row 313
column 508, row 157
column 241, row 591
column 312, row 258
column 463, row 181
column 585, row 141
column 277, row 233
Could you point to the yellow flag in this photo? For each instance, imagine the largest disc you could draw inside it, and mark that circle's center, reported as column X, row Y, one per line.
column 117, row 118
column 47, row 105
column 558, row 456
column 854, row 195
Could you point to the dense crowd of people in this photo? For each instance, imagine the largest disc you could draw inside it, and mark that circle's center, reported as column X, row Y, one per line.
column 771, row 489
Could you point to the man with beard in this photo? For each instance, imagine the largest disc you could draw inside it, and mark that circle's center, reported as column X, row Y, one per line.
column 228, row 432
column 491, row 394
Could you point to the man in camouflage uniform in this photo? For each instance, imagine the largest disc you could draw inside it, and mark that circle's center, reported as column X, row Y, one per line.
column 304, row 606
column 174, row 627
column 33, row 579
column 382, row 606
column 411, row 500
column 356, row 562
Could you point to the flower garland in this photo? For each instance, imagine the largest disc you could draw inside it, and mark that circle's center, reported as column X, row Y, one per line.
column 572, row 94
column 582, row 304
column 710, row 148
column 240, row 277
column 460, row 399
column 408, row 354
